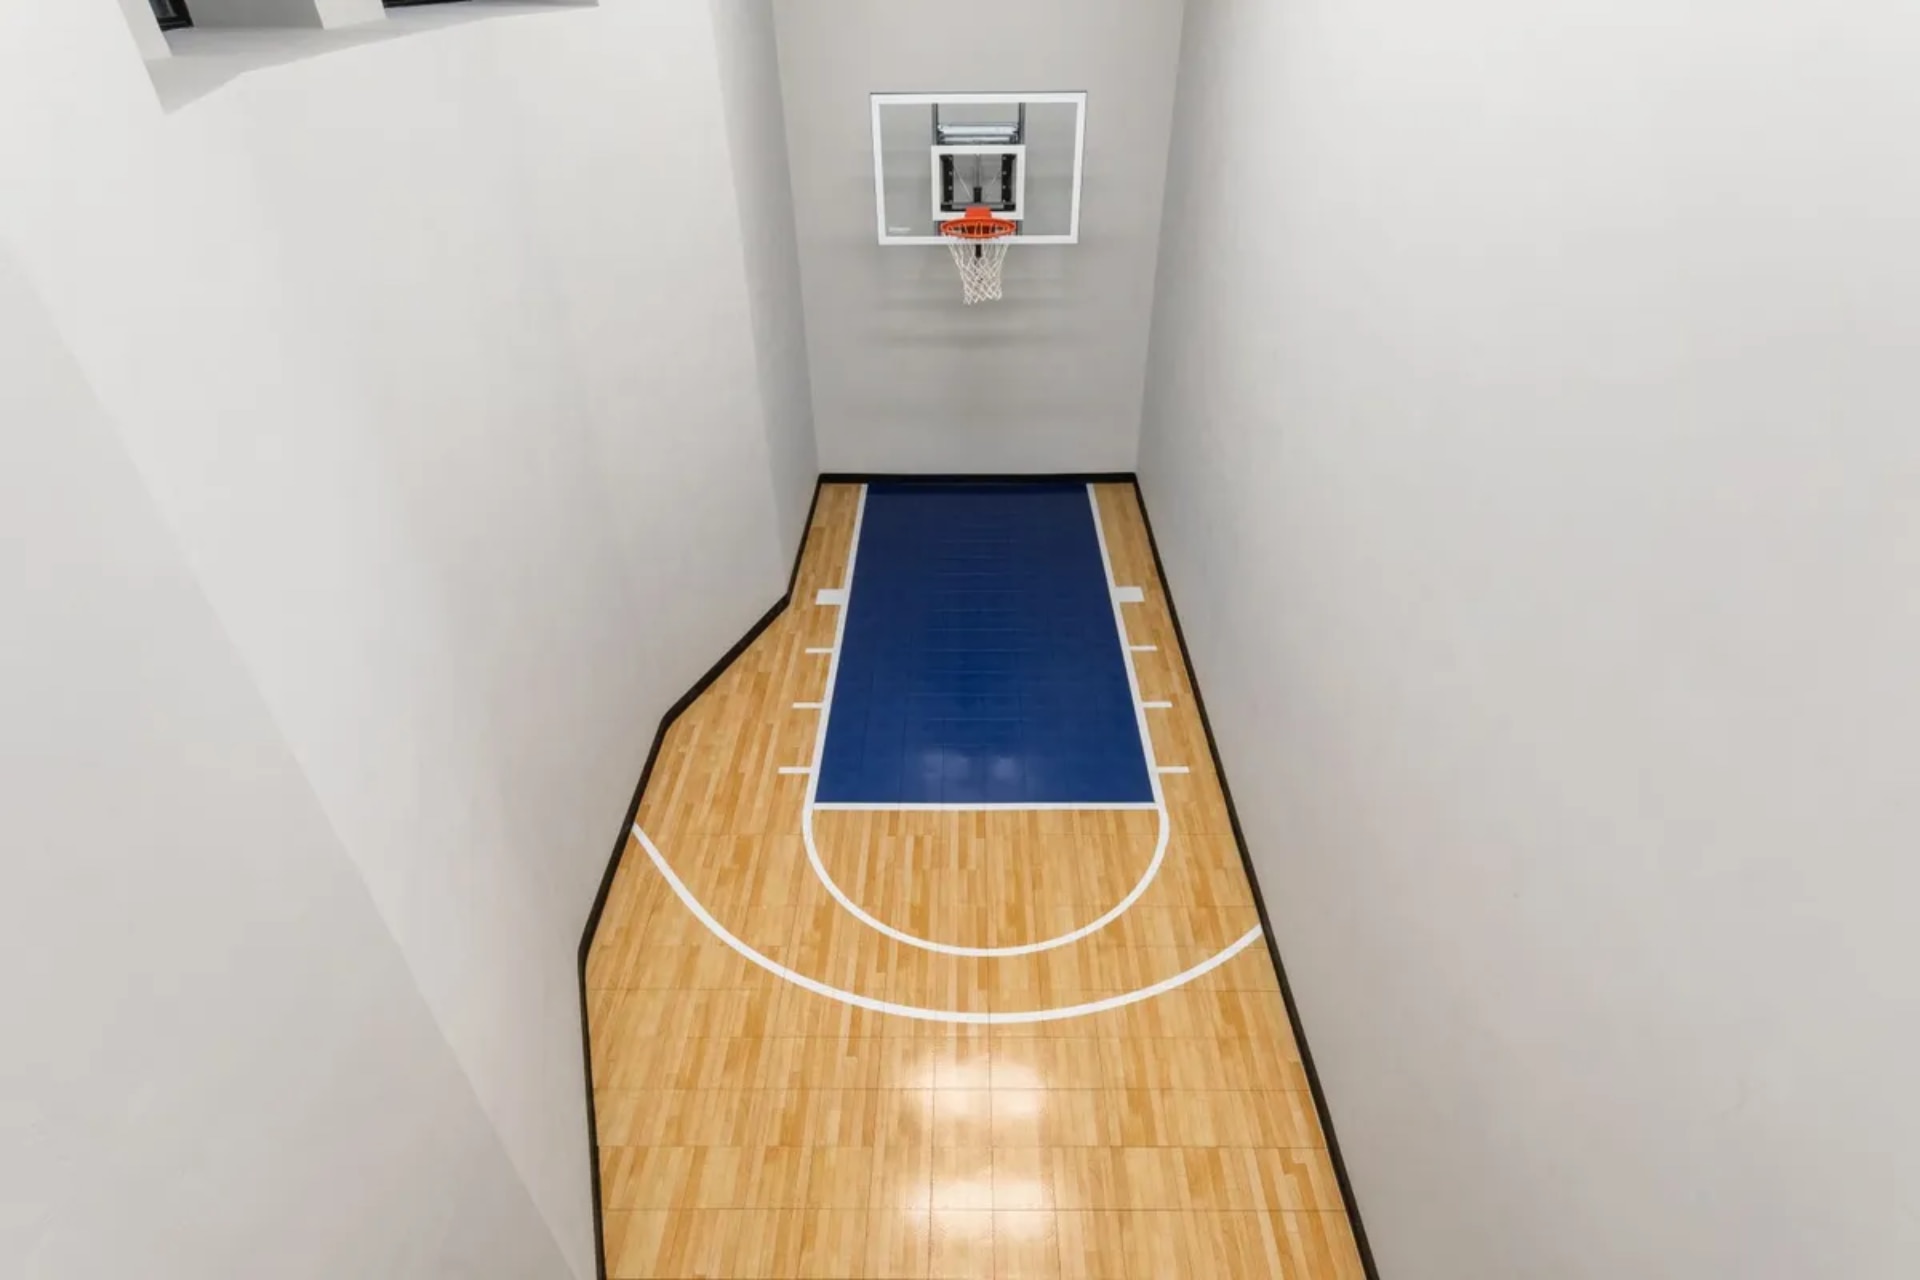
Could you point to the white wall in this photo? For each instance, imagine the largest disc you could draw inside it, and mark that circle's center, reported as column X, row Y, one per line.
column 454, row 415
column 905, row 378
column 757, row 131
column 1539, row 480
column 215, row 1062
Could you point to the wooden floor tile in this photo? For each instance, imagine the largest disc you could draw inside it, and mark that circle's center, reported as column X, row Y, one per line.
column 962, row 1244
column 900, row 1243
column 1026, row 1245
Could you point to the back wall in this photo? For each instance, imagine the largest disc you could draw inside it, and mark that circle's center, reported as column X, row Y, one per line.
column 906, row 378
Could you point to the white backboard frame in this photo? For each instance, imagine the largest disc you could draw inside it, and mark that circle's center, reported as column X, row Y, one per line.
column 1078, row 100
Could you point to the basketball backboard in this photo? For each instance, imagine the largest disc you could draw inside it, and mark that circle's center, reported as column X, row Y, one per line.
column 1018, row 154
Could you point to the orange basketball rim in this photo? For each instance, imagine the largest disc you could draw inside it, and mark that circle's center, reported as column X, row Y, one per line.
column 979, row 244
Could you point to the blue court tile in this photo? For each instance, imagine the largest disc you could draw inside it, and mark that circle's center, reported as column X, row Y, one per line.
column 980, row 663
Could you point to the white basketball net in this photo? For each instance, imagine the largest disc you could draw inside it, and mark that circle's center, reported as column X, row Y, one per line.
column 979, row 262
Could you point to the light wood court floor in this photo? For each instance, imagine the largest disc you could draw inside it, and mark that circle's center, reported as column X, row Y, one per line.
column 752, row 1127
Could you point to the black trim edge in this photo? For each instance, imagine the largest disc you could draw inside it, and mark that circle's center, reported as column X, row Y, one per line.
column 719, row 668
column 1260, row 904
column 966, row 477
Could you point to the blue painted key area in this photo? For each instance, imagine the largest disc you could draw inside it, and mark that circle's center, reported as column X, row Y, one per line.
column 980, row 664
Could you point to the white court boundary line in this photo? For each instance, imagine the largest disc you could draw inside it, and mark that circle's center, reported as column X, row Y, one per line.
column 915, row 1012
column 844, row 599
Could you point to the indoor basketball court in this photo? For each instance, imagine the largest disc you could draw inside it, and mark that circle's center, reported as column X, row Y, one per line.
column 1006, row 640
column 932, row 953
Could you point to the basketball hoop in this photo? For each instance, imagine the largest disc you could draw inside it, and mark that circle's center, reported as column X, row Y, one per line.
column 979, row 243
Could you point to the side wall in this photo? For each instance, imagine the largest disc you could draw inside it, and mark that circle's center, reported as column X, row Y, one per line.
column 459, row 425
column 216, row 1064
column 757, row 129
column 1539, row 473
column 907, row 379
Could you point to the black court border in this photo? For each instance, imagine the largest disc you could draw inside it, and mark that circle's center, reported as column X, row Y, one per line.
column 766, row 620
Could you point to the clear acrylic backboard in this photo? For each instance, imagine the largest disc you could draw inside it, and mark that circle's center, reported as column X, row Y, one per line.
column 1019, row 154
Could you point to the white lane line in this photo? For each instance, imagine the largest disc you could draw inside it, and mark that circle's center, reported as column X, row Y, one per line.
column 1068, row 806
column 1174, row 768
column 1126, row 652
column 795, row 770
column 914, row 1012
column 844, row 593
column 808, row 706
column 836, row 595
column 1157, row 706
column 1144, row 648
column 1125, row 595
column 819, row 653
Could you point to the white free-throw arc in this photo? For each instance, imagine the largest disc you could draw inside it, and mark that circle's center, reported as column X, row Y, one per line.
column 844, row 598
